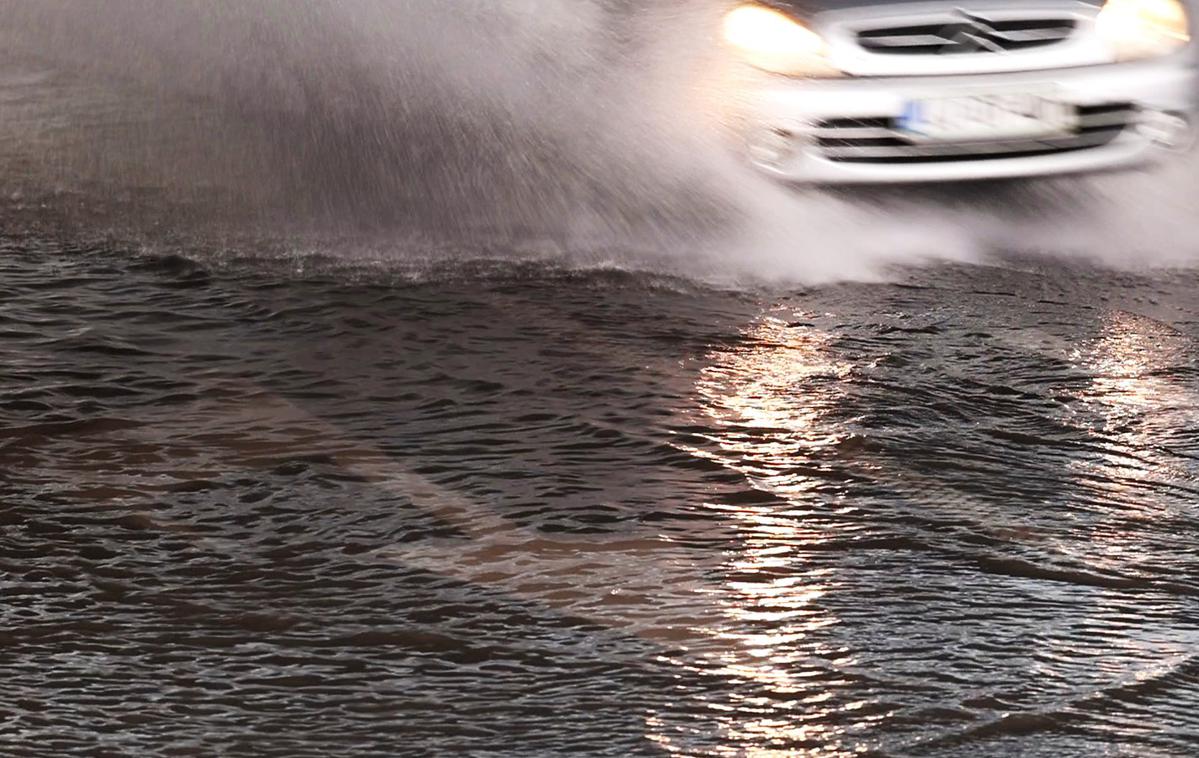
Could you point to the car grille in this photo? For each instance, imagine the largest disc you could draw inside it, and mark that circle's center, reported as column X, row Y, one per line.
column 877, row 140
column 966, row 34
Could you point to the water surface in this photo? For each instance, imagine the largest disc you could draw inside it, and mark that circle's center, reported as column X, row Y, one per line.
column 298, row 507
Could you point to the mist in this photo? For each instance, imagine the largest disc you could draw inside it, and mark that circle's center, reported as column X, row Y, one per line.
column 589, row 129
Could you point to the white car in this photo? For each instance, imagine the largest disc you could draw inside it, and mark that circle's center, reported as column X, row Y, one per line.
column 869, row 91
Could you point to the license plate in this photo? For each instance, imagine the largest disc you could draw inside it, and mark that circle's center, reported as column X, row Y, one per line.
column 988, row 116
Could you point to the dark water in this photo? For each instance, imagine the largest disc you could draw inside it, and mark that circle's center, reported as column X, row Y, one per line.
column 293, row 507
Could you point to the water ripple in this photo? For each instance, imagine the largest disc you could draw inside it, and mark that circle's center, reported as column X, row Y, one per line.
column 530, row 510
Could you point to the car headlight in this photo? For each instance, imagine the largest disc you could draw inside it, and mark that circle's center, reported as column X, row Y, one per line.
column 1144, row 28
column 773, row 41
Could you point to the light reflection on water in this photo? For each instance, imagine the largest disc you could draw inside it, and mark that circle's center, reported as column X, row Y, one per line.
column 764, row 418
column 767, row 399
column 1138, row 404
column 777, row 410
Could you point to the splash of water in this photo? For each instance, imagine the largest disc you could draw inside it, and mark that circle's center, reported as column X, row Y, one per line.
column 590, row 127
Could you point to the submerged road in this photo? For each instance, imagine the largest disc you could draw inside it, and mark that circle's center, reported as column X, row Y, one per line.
column 527, row 509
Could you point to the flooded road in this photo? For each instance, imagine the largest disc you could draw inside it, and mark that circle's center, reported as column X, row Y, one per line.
column 519, row 508
column 577, row 478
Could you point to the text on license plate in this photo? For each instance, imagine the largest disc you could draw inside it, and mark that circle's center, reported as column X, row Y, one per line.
column 1010, row 115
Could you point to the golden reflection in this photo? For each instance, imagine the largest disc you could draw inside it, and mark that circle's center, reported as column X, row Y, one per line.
column 1134, row 394
column 1134, row 406
column 768, row 398
column 1125, row 362
column 1134, row 403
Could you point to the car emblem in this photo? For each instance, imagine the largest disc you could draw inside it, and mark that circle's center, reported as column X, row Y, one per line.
column 970, row 35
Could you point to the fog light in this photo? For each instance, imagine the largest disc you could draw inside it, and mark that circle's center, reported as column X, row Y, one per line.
column 1169, row 130
column 771, row 147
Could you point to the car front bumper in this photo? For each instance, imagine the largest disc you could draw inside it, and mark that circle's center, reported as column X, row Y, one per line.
column 808, row 131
